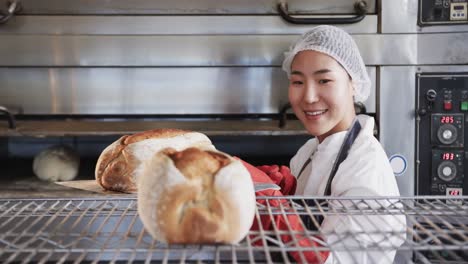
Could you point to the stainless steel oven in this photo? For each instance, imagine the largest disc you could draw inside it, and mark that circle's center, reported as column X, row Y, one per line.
column 83, row 74
column 439, row 48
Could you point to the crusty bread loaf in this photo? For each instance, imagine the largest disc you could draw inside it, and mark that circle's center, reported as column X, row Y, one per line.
column 118, row 163
column 196, row 196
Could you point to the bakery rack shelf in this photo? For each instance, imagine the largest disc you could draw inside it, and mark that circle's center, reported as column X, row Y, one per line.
column 108, row 230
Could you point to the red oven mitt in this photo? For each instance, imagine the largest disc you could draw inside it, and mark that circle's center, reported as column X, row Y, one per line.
column 281, row 176
column 281, row 222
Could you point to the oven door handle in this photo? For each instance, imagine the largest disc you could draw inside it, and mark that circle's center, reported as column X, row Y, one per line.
column 360, row 7
column 13, row 8
column 10, row 116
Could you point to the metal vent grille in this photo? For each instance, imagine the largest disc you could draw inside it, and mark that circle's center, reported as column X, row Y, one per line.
column 109, row 230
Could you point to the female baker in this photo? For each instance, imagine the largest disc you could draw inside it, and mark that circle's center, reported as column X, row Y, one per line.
column 326, row 77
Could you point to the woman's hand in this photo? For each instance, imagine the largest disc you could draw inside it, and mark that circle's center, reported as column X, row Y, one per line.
column 290, row 223
column 281, row 176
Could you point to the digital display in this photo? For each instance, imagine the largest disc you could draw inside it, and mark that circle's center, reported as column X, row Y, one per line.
column 458, row 7
column 454, row 192
column 448, row 156
column 446, row 119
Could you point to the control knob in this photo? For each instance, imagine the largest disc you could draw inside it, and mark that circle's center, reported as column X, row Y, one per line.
column 447, row 134
column 431, row 95
column 447, row 171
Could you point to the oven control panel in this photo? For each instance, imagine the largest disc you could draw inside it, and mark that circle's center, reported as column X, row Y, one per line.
column 442, row 147
column 441, row 12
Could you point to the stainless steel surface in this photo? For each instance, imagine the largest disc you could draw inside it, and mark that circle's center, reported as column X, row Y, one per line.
column 446, row 48
column 185, row 7
column 401, row 16
column 185, row 50
column 166, row 25
column 85, row 127
column 144, row 90
column 389, row 49
column 371, row 102
column 109, row 229
column 397, row 119
column 396, row 114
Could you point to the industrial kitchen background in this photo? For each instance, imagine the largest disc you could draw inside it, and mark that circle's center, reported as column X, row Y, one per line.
column 83, row 73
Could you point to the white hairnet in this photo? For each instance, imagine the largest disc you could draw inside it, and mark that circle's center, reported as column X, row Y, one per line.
column 339, row 45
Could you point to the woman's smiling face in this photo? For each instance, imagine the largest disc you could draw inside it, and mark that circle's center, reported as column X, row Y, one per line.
column 321, row 94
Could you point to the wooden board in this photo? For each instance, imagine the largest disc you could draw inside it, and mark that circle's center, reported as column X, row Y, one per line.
column 92, row 186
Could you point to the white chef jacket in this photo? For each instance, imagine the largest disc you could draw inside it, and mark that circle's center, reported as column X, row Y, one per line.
column 365, row 172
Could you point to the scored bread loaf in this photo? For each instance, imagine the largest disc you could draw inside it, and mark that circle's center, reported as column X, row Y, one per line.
column 118, row 164
column 196, row 196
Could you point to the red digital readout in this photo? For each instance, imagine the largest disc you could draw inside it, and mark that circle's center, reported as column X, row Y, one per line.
column 454, row 192
column 448, row 156
column 446, row 119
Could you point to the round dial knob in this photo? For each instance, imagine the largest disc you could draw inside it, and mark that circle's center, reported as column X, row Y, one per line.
column 447, row 134
column 447, row 171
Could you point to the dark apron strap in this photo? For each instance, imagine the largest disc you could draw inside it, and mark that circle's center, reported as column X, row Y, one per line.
column 304, row 166
column 342, row 154
column 344, row 151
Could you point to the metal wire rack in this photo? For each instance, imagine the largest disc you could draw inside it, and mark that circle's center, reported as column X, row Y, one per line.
column 108, row 230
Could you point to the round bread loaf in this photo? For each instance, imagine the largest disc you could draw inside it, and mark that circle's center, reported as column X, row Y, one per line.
column 56, row 163
column 118, row 164
column 196, row 196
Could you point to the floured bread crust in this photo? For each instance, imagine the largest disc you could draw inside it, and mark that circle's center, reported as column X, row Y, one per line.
column 196, row 196
column 118, row 163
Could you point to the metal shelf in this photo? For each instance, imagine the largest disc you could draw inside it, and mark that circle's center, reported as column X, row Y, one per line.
column 109, row 230
column 54, row 128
